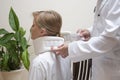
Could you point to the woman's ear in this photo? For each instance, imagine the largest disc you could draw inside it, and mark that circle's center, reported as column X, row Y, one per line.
column 43, row 31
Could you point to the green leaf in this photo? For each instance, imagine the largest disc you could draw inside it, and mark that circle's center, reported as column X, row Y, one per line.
column 13, row 20
column 4, row 39
column 8, row 45
column 5, row 60
column 3, row 31
column 23, row 43
column 19, row 34
column 25, row 59
column 22, row 31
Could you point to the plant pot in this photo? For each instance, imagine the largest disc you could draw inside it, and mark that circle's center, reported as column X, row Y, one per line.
column 13, row 75
column 1, row 78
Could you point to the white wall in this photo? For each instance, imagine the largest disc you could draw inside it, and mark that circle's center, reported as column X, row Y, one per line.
column 75, row 13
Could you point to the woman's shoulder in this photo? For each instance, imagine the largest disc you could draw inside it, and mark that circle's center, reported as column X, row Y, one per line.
column 44, row 58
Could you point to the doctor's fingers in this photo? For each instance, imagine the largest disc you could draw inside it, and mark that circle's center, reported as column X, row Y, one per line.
column 64, row 55
column 63, row 51
column 79, row 31
column 56, row 50
column 59, row 51
column 86, row 38
column 83, row 32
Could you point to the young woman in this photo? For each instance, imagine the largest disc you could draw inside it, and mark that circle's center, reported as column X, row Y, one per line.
column 45, row 33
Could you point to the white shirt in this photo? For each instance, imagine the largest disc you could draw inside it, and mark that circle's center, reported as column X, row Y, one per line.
column 47, row 65
column 104, row 45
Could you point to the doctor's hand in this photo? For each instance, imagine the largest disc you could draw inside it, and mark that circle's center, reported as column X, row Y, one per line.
column 84, row 33
column 61, row 50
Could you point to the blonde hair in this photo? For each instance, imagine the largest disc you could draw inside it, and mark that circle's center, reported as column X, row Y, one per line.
column 50, row 20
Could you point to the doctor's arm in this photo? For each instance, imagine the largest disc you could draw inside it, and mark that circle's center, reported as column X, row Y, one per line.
column 104, row 43
column 96, row 45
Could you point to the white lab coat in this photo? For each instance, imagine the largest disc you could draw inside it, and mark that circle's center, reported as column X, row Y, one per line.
column 104, row 45
column 47, row 65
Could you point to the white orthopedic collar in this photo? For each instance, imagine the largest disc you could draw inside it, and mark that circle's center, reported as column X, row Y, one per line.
column 44, row 43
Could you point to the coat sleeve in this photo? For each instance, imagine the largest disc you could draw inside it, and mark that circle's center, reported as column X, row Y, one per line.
column 101, row 44
column 37, row 72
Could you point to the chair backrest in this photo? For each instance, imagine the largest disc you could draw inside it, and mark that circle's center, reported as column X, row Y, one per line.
column 82, row 70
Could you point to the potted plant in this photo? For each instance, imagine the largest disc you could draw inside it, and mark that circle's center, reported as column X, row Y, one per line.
column 13, row 46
